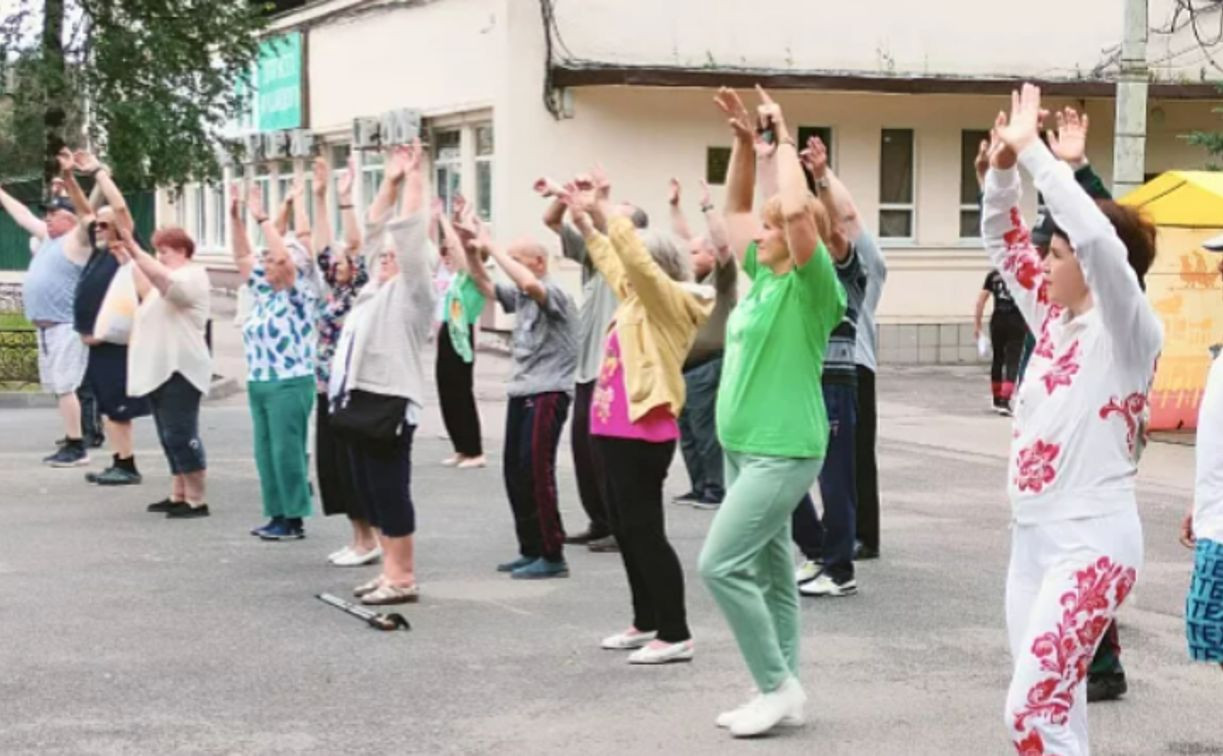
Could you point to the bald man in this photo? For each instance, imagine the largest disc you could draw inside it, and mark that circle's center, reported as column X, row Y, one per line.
column 544, row 360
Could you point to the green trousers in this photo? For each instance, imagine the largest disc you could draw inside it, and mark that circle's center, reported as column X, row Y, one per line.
column 747, row 560
column 280, row 411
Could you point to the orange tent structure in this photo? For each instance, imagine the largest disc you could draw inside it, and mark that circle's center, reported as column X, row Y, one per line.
column 1184, row 288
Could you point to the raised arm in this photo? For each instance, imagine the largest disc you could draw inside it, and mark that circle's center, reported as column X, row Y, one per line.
column 348, row 211
column 450, row 237
column 589, row 216
column 1114, row 286
column 322, row 237
column 554, row 214
column 802, row 236
column 22, row 215
column 815, row 159
column 679, row 224
column 88, row 163
column 715, row 226
column 741, row 225
column 244, row 257
column 414, row 251
column 158, row 275
column 301, row 211
column 473, row 239
column 84, row 210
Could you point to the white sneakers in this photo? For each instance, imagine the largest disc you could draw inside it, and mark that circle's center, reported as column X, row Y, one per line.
column 783, row 706
column 628, row 640
column 806, row 571
column 350, row 557
column 825, row 585
column 661, row 652
column 464, row 463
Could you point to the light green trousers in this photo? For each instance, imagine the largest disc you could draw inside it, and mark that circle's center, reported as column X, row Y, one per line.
column 280, row 412
column 747, row 564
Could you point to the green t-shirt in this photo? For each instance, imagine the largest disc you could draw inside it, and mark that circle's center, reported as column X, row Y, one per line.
column 770, row 401
column 462, row 307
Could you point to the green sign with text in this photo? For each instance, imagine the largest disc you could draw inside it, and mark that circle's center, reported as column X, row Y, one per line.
column 278, row 76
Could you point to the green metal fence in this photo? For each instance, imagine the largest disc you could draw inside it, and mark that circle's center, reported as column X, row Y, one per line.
column 15, row 242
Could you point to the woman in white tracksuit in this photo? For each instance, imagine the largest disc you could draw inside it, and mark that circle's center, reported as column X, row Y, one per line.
column 1076, row 543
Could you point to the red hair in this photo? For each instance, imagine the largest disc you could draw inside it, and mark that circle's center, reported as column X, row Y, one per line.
column 174, row 238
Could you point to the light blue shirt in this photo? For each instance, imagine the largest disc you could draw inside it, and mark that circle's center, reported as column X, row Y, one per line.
column 50, row 284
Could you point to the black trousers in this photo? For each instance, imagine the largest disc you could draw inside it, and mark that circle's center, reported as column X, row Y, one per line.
column 866, row 467
column 587, row 466
column 532, row 433
column 633, row 490
column 1006, row 334
column 456, row 394
column 334, row 467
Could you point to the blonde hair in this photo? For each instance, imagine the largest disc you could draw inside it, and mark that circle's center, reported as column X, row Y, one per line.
column 773, row 216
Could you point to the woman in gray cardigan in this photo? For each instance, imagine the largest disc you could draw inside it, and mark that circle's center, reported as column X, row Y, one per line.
column 377, row 380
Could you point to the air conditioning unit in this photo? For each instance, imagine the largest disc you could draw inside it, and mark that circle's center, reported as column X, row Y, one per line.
column 228, row 152
column 301, row 143
column 366, row 133
column 252, row 148
column 276, row 145
column 405, row 124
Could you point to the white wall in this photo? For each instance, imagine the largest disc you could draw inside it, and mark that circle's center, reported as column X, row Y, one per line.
column 1045, row 38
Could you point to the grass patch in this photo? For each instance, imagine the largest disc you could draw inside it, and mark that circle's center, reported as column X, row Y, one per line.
column 14, row 321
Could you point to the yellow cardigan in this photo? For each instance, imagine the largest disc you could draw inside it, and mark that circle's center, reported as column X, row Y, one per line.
column 657, row 319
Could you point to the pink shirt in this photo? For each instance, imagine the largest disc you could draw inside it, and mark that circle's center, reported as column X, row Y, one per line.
column 609, row 405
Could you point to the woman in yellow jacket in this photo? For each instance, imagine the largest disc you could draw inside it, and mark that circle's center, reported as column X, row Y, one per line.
column 638, row 396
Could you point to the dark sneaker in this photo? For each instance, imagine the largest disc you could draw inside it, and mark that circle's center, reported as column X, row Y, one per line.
column 687, row 498
column 71, row 454
column 259, row 531
column 184, row 511
column 285, row 530
column 1107, row 686
column 114, row 476
column 706, row 504
column 606, row 545
column 542, row 569
column 862, row 552
column 521, row 561
column 583, row 538
column 159, row 507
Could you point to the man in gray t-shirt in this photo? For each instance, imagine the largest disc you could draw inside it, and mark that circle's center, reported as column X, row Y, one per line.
column 544, row 354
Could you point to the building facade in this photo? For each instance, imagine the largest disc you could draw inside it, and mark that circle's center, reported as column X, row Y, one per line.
column 512, row 90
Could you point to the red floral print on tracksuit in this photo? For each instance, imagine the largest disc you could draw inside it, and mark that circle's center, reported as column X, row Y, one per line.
column 1076, row 540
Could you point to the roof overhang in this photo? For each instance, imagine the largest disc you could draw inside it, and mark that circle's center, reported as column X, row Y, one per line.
column 566, row 75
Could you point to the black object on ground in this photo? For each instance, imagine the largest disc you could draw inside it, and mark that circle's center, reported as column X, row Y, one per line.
column 391, row 621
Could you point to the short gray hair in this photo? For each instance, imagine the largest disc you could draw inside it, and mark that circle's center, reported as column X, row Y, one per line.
column 667, row 254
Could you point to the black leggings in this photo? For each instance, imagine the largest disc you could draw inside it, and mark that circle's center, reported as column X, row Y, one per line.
column 1006, row 333
column 456, row 394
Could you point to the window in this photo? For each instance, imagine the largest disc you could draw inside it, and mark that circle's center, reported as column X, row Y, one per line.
column 825, row 135
column 371, row 177
column 717, row 163
column 200, row 229
column 970, row 208
column 219, row 211
column 896, row 207
column 448, row 165
column 484, row 172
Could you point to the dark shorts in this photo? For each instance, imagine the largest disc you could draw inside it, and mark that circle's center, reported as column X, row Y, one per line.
column 176, row 411
column 106, row 376
column 1204, row 605
column 382, row 477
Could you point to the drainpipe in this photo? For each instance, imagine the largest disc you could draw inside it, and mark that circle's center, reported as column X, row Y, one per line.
column 1130, row 143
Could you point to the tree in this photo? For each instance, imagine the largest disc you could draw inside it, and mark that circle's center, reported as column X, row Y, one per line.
column 155, row 80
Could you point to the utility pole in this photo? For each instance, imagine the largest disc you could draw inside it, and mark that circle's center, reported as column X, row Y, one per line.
column 1130, row 142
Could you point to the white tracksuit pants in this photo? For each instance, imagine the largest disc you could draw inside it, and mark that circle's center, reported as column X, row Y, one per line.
column 1065, row 583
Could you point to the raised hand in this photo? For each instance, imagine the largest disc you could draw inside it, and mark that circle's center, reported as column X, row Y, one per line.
column 770, row 121
column 1001, row 155
column 254, row 202
column 1022, row 128
column 64, row 158
column 413, row 153
column 322, row 175
column 235, row 199
column 601, row 181
column 981, row 163
column 815, row 157
column 673, row 192
column 1069, row 141
column 86, row 162
column 437, row 209
column 344, row 188
column 58, row 188
column 736, row 114
column 546, row 187
column 297, row 189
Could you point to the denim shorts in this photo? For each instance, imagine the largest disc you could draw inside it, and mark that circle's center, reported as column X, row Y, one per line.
column 176, row 412
column 1204, row 605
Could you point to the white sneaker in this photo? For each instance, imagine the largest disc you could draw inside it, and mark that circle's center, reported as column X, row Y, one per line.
column 451, row 461
column 807, row 571
column 661, row 652
column 826, row 586
column 767, row 710
column 472, row 462
column 356, row 559
column 337, row 554
column 628, row 640
column 727, row 718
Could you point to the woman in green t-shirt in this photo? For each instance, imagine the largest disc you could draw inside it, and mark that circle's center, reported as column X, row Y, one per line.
column 461, row 308
column 770, row 412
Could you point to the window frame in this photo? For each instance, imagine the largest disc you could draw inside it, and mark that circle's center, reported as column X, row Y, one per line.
column 911, row 206
column 974, row 207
